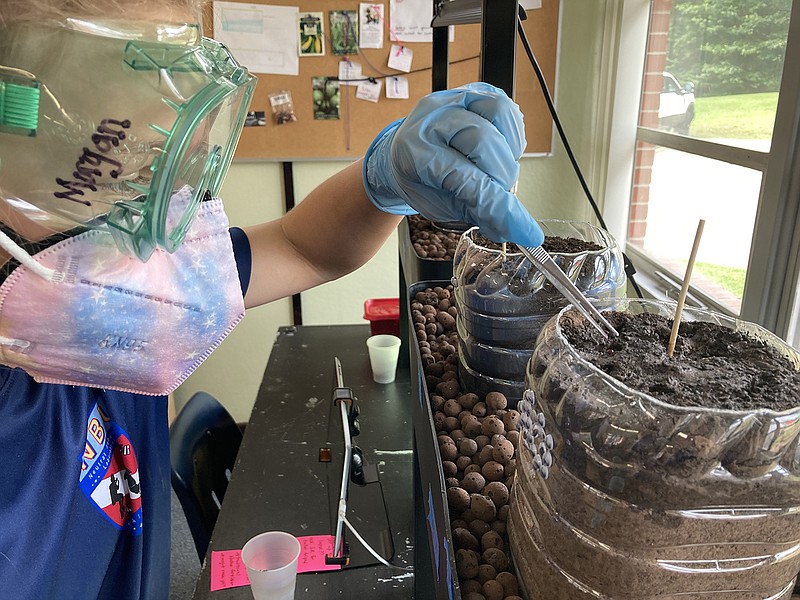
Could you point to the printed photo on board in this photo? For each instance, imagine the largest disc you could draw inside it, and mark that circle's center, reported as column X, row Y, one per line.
column 311, row 34
column 326, row 98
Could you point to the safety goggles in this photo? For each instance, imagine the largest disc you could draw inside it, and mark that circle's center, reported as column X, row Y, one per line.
column 129, row 115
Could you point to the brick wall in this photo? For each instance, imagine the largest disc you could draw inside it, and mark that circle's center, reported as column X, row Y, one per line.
column 655, row 62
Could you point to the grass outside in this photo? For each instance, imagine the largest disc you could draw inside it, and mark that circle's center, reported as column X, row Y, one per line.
column 730, row 278
column 741, row 116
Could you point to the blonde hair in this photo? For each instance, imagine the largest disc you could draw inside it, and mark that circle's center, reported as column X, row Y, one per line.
column 42, row 10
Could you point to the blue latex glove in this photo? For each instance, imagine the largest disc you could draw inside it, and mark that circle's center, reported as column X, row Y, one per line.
column 454, row 158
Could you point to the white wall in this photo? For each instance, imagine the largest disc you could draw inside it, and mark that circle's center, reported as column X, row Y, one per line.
column 548, row 185
column 253, row 192
column 342, row 301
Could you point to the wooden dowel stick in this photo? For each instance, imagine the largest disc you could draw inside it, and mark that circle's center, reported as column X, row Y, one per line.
column 684, row 289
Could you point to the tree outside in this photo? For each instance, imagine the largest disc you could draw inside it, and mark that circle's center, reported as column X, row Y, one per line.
column 728, row 46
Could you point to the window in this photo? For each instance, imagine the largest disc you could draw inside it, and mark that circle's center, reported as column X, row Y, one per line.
column 716, row 139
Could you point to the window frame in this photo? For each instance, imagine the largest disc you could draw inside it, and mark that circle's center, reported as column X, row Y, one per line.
column 771, row 296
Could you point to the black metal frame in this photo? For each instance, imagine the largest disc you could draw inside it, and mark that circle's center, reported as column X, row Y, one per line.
column 498, row 46
column 434, row 562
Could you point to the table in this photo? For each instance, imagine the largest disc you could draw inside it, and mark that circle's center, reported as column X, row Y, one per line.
column 279, row 483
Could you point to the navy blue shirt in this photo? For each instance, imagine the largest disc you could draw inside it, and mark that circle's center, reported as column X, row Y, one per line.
column 84, row 492
column 85, row 488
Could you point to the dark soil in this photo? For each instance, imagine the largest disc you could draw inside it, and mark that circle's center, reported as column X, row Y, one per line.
column 713, row 366
column 553, row 245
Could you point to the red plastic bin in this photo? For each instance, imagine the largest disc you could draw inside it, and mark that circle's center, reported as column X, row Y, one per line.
column 383, row 315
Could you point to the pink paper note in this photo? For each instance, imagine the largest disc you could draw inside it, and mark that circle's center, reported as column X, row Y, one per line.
column 228, row 570
column 313, row 549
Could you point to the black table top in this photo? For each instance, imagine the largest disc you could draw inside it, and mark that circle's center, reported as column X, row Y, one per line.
column 278, row 482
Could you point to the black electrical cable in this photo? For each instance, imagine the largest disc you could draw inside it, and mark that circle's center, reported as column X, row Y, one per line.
column 630, row 270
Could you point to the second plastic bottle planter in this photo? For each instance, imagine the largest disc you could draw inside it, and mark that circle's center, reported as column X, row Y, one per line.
column 504, row 300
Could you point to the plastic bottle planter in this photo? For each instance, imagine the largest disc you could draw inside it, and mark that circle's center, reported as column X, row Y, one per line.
column 618, row 495
column 482, row 384
column 504, row 300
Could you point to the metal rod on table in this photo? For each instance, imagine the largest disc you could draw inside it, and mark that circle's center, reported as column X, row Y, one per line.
column 348, row 456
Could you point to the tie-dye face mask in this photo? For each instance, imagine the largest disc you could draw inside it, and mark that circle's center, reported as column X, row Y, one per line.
column 94, row 316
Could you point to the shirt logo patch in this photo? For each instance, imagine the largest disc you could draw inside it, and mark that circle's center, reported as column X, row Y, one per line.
column 110, row 474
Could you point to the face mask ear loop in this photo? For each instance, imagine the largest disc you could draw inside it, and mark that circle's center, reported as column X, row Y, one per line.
column 25, row 259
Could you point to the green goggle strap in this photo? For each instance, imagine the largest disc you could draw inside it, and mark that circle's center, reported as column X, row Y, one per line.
column 19, row 105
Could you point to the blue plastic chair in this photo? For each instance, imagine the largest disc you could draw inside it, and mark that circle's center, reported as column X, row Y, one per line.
column 204, row 441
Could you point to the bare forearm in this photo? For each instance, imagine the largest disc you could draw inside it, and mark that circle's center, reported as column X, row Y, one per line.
column 332, row 232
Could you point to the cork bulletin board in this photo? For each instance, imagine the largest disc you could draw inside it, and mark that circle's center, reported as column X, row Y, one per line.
column 359, row 120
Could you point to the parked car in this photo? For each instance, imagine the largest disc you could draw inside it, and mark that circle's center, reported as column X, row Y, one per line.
column 676, row 109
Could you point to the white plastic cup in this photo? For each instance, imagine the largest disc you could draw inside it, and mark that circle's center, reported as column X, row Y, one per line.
column 384, row 351
column 271, row 562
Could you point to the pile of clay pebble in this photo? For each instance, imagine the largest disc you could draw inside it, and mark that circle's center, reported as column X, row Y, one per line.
column 429, row 241
column 477, row 442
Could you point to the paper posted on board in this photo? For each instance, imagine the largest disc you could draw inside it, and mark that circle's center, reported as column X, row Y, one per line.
column 260, row 36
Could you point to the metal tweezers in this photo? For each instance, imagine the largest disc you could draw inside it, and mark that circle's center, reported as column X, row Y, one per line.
column 542, row 260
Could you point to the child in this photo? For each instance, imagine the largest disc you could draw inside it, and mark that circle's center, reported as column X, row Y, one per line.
column 122, row 274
